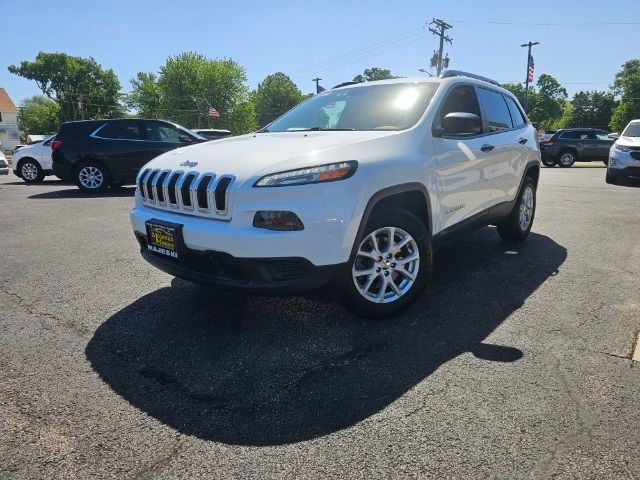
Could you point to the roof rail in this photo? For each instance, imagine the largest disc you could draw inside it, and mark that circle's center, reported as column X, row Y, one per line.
column 344, row 84
column 460, row 73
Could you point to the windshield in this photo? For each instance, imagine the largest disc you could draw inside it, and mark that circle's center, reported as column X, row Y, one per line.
column 395, row 106
column 632, row 130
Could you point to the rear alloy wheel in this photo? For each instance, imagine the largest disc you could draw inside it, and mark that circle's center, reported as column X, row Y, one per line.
column 92, row 177
column 391, row 265
column 566, row 159
column 31, row 172
column 517, row 225
column 549, row 163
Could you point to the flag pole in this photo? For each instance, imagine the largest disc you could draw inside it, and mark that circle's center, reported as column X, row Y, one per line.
column 526, row 84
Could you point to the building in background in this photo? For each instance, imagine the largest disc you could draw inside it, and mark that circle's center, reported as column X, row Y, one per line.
column 9, row 136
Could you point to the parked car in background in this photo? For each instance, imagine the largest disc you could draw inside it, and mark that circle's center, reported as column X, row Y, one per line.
column 212, row 133
column 4, row 169
column 350, row 191
column 98, row 153
column 33, row 162
column 570, row 145
column 624, row 155
column 546, row 135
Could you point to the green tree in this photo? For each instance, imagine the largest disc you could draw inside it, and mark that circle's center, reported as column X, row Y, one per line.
column 565, row 120
column 39, row 115
column 80, row 86
column 189, row 82
column 546, row 100
column 373, row 74
column 591, row 109
column 626, row 85
column 145, row 96
column 275, row 95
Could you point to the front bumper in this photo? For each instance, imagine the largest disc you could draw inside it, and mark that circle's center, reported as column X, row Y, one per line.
column 261, row 275
column 4, row 171
column 622, row 165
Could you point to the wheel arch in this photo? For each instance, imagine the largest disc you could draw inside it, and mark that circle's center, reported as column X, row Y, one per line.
column 81, row 163
column 412, row 197
column 533, row 171
column 24, row 159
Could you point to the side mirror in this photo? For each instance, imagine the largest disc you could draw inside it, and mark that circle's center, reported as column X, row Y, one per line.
column 614, row 136
column 461, row 123
column 185, row 139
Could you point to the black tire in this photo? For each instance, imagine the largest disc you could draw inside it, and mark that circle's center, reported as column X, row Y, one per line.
column 405, row 223
column 549, row 162
column 611, row 180
column 511, row 228
column 92, row 177
column 30, row 171
column 567, row 158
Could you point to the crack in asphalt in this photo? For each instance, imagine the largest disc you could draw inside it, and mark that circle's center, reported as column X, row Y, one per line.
column 33, row 310
column 586, row 422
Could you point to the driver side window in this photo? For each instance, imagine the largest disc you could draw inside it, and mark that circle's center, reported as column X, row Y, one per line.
column 459, row 99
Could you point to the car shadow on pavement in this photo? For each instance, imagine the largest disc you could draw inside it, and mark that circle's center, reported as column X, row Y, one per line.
column 77, row 193
column 250, row 370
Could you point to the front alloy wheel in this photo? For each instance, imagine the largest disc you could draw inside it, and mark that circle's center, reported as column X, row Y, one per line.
column 386, row 265
column 391, row 265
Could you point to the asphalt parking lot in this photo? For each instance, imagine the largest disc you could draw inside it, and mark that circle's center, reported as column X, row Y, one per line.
column 516, row 362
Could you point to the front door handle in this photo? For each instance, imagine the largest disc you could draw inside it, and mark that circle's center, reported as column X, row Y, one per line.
column 522, row 140
column 486, row 147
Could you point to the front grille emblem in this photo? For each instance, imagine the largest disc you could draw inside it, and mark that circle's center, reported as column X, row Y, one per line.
column 188, row 163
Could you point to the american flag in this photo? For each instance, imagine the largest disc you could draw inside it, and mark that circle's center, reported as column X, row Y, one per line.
column 530, row 71
column 213, row 113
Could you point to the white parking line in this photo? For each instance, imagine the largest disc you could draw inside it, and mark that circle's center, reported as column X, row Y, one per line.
column 636, row 353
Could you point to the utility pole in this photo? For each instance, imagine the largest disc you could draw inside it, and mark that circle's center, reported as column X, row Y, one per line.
column 317, row 80
column 529, row 75
column 441, row 32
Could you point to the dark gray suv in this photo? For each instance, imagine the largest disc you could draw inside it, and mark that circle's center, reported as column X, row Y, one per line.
column 570, row 145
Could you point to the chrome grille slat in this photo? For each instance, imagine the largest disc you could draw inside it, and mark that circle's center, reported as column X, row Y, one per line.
column 156, row 183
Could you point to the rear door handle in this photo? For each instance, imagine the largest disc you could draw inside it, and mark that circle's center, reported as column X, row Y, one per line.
column 486, row 147
column 522, row 140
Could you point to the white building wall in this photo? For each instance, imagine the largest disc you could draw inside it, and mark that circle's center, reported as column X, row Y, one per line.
column 9, row 135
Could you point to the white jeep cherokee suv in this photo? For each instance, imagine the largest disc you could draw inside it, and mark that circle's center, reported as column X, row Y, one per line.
column 353, row 189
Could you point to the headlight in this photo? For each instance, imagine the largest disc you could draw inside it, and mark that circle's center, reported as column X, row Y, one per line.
column 304, row 176
column 622, row 148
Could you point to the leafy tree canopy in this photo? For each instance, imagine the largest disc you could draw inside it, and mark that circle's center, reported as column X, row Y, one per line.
column 275, row 95
column 626, row 85
column 39, row 115
column 80, row 86
column 189, row 82
column 373, row 74
column 145, row 96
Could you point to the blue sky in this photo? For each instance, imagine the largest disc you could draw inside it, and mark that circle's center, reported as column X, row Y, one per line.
column 333, row 39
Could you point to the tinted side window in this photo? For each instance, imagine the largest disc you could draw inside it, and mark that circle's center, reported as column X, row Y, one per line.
column 570, row 136
column 459, row 99
column 162, row 132
column 125, row 130
column 495, row 109
column 516, row 115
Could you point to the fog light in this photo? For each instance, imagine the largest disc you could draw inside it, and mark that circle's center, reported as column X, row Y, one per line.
column 612, row 162
column 276, row 220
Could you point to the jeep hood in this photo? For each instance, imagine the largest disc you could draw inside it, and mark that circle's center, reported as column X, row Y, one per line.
column 259, row 154
column 629, row 141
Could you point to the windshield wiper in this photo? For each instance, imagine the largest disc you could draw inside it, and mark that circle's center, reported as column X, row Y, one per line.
column 323, row 129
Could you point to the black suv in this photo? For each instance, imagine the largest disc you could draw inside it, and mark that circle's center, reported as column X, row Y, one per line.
column 570, row 145
column 97, row 153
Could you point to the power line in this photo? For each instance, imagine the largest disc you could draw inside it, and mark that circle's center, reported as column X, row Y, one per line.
column 373, row 46
column 544, row 24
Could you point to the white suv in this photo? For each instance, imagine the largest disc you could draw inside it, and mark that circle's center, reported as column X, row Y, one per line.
column 624, row 156
column 352, row 189
column 33, row 162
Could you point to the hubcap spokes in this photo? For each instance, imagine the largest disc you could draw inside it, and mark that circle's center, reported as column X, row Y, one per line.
column 29, row 171
column 526, row 208
column 386, row 265
column 566, row 159
column 91, row 177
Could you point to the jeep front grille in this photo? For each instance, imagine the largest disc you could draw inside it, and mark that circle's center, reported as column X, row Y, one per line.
column 193, row 193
